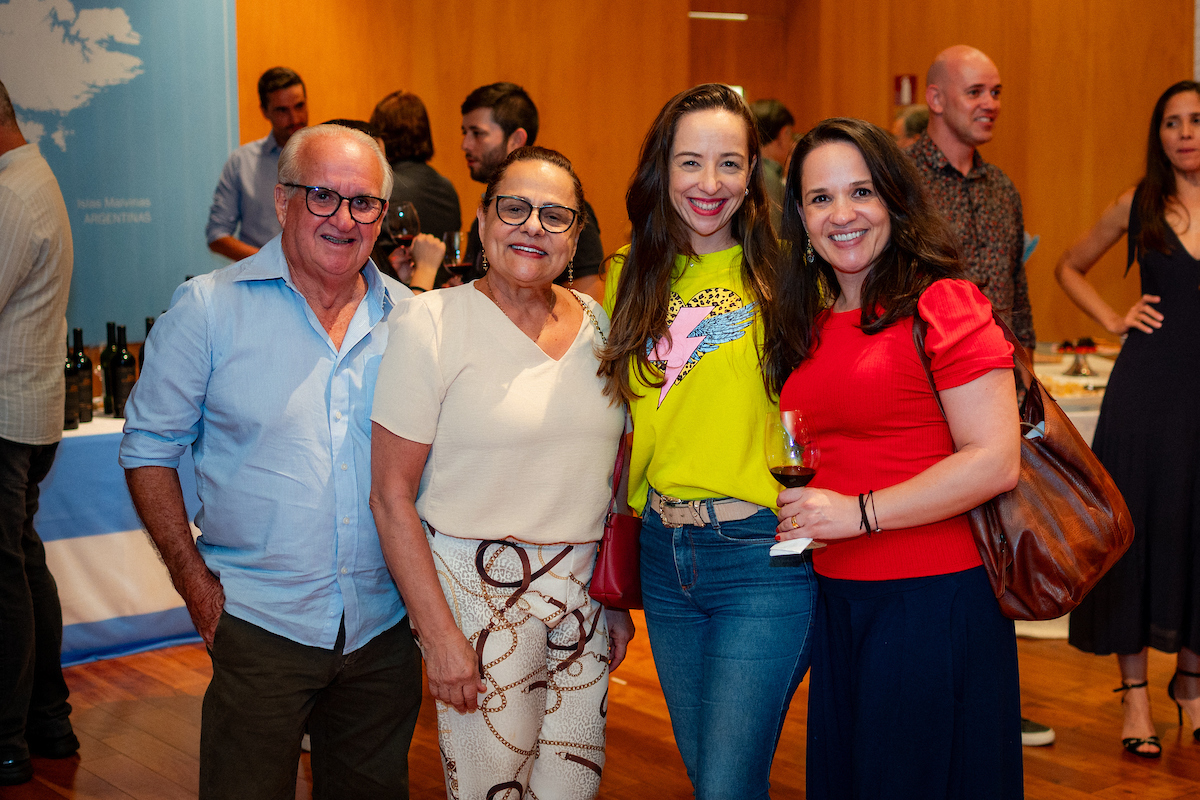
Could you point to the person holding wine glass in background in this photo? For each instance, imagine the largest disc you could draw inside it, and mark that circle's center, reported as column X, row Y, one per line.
column 691, row 300
column 491, row 447
column 403, row 123
column 1148, row 435
column 914, row 690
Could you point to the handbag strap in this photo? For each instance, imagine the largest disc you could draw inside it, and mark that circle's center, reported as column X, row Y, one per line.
column 595, row 322
column 1021, row 363
column 623, row 447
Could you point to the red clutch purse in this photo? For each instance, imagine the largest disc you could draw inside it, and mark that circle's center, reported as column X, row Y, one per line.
column 617, row 578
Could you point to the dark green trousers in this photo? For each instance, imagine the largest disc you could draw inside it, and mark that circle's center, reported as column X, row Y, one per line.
column 360, row 709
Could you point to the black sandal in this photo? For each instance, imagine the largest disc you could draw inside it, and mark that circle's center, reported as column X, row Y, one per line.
column 1178, row 707
column 1132, row 743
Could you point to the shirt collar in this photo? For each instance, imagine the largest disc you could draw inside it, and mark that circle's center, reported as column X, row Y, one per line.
column 926, row 150
column 269, row 264
column 27, row 150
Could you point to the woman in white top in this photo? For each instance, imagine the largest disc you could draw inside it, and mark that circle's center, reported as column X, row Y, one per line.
column 491, row 448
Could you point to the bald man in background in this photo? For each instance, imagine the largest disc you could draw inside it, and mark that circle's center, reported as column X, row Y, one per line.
column 979, row 201
column 962, row 90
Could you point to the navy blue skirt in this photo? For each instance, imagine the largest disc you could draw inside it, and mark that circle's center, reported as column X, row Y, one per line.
column 914, row 692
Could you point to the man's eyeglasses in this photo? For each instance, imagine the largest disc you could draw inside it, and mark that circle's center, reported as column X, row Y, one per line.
column 323, row 202
column 515, row 210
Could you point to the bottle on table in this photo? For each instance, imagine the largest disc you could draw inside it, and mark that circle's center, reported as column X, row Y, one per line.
column 142, row 351
column 106, row 363
column 123, row 368
column 71, row 399
column 84, row 365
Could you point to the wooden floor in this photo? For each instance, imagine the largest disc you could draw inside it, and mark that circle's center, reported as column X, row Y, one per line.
column 138, row 719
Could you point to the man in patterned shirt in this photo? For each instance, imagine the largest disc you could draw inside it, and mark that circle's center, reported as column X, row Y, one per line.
column 980, row 202
column 962, row 90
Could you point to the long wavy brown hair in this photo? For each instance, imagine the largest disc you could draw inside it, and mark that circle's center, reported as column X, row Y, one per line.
column 659, row 235
column 1157, row 189
column 920, row 251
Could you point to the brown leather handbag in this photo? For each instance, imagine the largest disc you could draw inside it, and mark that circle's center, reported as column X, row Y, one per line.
column 1047, row 542
column 617, row 577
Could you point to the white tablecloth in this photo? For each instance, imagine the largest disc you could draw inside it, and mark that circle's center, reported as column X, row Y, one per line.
column 116, row 595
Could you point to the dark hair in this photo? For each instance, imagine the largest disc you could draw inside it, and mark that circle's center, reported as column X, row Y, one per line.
column 510, row 105
column 404, row 126
column 920, row 250
column 273, row 80
column 1157, row 188
column 659, row 235
column 533, row 153
column 772, row 116
column 356, row 124
column 915, row 117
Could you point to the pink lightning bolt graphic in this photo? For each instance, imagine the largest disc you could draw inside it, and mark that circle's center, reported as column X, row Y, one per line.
column 680, row 348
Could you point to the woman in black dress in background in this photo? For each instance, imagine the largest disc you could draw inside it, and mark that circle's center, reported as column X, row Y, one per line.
column 1148, row 436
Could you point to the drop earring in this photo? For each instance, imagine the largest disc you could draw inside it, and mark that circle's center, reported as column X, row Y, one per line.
column 809, row 256
column 571, row 274
column 484, row 264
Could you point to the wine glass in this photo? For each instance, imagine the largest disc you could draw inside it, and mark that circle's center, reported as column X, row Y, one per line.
column 454, row 261
column 793, row 457
column 405, row 224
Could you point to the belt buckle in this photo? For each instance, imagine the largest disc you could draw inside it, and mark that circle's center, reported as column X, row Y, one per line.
column 691, row 505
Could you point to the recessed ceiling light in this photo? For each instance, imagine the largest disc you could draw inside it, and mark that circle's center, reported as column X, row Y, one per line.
column 725, row 15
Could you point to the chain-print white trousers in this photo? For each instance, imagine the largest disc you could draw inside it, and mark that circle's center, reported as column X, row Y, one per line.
column 542, row 645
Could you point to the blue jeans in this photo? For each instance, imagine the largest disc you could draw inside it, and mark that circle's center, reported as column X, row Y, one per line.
column 730, row 636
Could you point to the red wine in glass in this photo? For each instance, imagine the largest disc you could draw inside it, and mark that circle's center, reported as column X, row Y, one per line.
column 793, row 476
column 461, row 268
column 404, row 241
column 791, row 451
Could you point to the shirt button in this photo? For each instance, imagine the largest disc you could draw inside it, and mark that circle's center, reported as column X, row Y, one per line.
column 345, row 520
column 345, row 571
column 344, row 467
column 337, row 415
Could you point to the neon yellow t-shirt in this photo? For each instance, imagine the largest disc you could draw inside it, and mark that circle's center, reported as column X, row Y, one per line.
column 701, row 434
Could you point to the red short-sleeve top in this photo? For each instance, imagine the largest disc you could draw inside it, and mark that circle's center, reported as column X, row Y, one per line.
column 868, row 403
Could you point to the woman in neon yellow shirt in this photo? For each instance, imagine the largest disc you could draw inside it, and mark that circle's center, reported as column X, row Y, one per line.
column 691, row 301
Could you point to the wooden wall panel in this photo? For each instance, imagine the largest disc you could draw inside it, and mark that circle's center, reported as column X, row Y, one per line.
column 1080, row 79
column 598, row 70
column 745, row 54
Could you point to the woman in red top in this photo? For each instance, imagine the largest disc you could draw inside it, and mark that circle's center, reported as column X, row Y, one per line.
column 914, row 688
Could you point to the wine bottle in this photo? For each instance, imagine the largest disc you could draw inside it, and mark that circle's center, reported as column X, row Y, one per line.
column 142, row 352
column 71, row 398
column 84, row 365
column 105, row 363
column 123, row 368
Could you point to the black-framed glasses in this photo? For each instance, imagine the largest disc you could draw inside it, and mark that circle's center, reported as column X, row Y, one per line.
column 515, row 210
column 322, row 202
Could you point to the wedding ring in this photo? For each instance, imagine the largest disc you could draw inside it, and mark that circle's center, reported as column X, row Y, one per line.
column 794, row 523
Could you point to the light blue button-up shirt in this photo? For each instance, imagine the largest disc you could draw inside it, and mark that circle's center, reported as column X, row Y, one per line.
column 244, row 200
column 279, row 422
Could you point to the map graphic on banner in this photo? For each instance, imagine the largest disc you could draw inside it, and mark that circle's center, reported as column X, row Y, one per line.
column 132, row 103
column 75, row 46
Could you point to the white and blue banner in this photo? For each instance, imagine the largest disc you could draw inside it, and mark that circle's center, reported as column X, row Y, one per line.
column 133, row 103
column 116, row 595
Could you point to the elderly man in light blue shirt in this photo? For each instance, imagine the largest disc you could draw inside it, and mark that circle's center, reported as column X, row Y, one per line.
column 266, row 369
column 242, row 217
